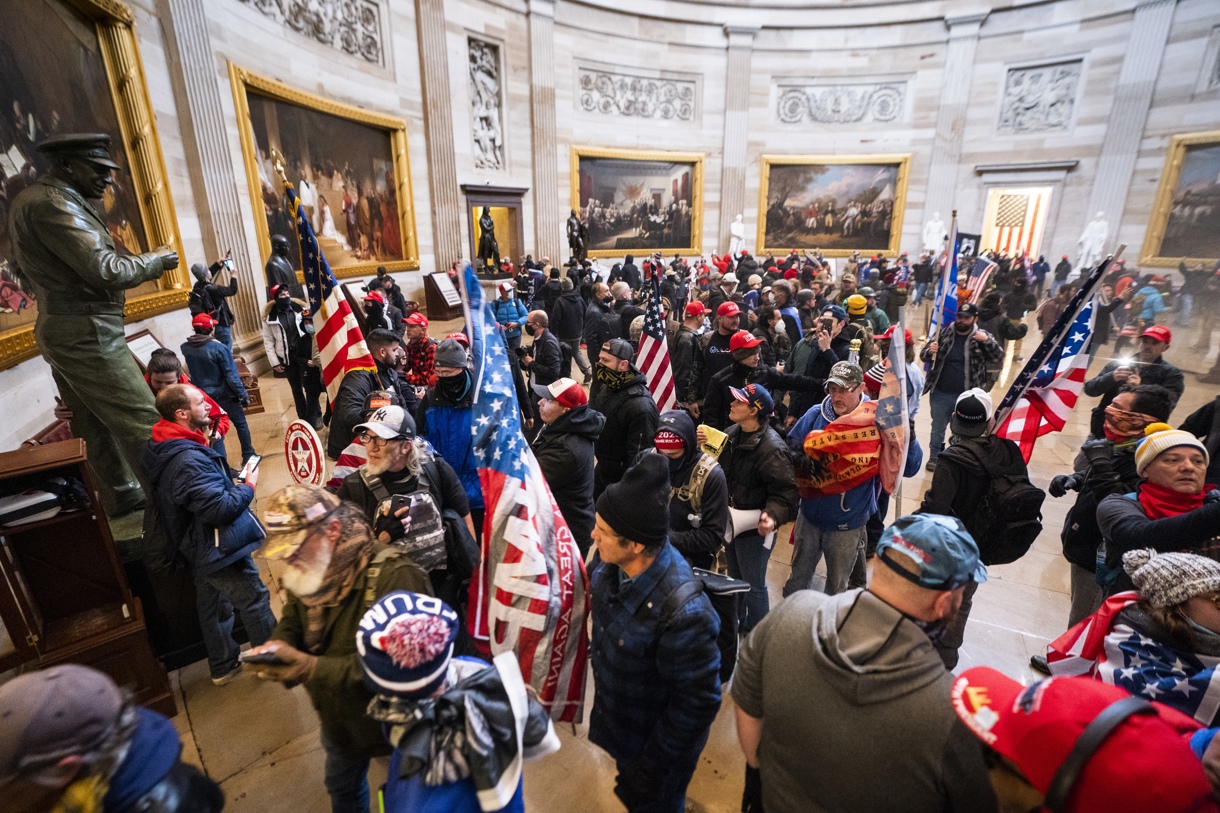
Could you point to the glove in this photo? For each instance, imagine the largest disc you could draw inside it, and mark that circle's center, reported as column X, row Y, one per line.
column 297, row 669
column 1096, row 451
column 636, row 787
column 393, row 525
column 751, row 797
column 1063, row 483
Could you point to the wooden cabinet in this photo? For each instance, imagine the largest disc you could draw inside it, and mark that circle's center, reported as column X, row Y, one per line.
column 63, row 594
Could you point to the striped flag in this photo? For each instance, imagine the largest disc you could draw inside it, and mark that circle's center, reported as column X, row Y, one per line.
column 339, row 338
column 893, row 420
column 530, row 594
column 980, row 275
column 944, row 310
column 653, row 356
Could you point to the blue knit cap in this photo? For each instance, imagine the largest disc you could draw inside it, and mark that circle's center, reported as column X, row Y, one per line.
column 405, row 642
column 154, row 750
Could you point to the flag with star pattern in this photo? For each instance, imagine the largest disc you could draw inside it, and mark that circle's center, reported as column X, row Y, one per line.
column 944, row 308
column 340, row 340
column 530, row 593
column 1104, row 647
column 653, row 356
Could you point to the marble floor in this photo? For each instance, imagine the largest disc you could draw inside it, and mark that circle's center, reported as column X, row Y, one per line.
column 260, row 741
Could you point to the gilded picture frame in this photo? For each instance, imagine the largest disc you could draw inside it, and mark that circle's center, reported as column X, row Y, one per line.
column 657, row 200
column 350, row 260
column 1185, row 222
column 820, row 194
column 140, row 149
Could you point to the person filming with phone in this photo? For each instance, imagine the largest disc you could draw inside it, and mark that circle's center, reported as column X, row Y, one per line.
column 206, row 518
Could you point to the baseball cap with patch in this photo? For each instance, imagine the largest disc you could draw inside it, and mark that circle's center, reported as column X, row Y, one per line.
column 1158, row 332
column 291, row 513
column 846, row 375
column 728, row 309
column 743, row 339
column 564, row 391
column 417, row 318
column 941, row 548
column 389, row 423
column 756, row 396
column 204, row 321
column 695, row 308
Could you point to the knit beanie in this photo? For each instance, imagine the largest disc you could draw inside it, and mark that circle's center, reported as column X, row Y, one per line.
column 451, row 354
column 637, row 506
column 1161, row 437
column 405, row 641
column 856, row 304
column 873, row 378
column 1168, row 579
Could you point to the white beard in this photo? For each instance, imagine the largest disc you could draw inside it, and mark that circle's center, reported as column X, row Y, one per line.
column 301, row 582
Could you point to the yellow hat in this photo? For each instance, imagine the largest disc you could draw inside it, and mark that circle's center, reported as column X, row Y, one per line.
column 856, row 304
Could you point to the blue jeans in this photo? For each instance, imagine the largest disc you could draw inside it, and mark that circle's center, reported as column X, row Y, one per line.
column 747, row 559
column 238, row 417
column 346, row 780
column 224, row 335
column 842, row 549
column 672, row 793
column 921, row 288
column 942, row 404
column 1186, row 304
column 240, row 583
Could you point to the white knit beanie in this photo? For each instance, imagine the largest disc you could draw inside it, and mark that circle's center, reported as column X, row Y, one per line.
column 1167, row 579
column 1161, row 438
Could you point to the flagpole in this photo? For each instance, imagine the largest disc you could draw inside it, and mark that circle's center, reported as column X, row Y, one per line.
column 938, row 313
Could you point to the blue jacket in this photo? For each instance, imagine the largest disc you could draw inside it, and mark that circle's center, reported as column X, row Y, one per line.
column 657, row 693
column 446, row 424
column 834, row 512
column 510, row 310
column 213, row 369
column 204, row 512
column 1154, row 303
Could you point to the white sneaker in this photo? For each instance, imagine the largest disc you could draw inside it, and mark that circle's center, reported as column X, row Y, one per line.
column 229, row 678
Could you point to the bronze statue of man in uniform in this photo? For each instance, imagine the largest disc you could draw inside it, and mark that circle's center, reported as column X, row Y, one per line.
column 279, row 270
column 578, row 235
column 489, row 249
column 64, row 251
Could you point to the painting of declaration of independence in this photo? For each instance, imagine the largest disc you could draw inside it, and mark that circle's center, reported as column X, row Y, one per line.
column 638, row 202
column 1192, row 228
column 343, row 171
column 839, row 205
column 53, row 80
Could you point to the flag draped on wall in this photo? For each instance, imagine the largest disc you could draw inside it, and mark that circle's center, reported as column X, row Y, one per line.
column 340, row 341
column 530, row 594
column 653, row 356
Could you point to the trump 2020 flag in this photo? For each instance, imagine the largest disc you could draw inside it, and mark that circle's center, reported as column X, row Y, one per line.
column 530, row 594
column 340, row 341
column 944, row 310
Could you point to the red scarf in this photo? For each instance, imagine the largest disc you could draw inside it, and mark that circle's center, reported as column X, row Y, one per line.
column 1159, row 502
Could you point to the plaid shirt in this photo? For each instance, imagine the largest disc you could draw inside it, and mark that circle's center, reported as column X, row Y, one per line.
column 421, row 362
column 657, row 693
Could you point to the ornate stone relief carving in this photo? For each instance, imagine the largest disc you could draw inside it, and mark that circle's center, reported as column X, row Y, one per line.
column 622, row 94
column 1039, row 98
column 486, row 122
column 352, row 26
column 842, row 104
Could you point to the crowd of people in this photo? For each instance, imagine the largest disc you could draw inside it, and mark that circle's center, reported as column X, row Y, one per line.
column 843, row 695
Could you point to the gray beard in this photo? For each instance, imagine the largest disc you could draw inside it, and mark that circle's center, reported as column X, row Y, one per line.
column 306, row 582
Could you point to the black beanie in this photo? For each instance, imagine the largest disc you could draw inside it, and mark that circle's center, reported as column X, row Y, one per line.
column 637, row 507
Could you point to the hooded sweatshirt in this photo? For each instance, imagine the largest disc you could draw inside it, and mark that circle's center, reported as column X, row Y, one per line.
column 697, row 535
column 849, row 687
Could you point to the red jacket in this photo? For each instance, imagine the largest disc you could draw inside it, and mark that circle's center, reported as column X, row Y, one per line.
column 220, row 418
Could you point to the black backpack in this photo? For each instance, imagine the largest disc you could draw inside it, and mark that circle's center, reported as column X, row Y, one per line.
column 726, row 595
column 200, row 301
column 1008, row 519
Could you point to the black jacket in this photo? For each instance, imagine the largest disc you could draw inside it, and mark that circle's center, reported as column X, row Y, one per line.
column 1204, row 423
column 711, row 357
column 601, row 325
column 631, row 424
column 817, row 364
column 568, row 316
column 627, row 312
column 697, row 535
column 628, row 274
column 715, row 410
column 348, row 411
column 759, row 473
column 682, row 351
column 963, row 484
column 1063, row 269
column 565, row 452
column 548, row 360
column 1104, row 384
column 550, row 291
column 211, row 300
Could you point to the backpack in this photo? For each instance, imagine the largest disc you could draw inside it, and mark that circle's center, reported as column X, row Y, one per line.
column 1008, row 519
column 725, row 594
column 200, row 301
column 692, row 492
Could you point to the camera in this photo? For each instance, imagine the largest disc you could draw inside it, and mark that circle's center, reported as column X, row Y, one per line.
column 521, row 351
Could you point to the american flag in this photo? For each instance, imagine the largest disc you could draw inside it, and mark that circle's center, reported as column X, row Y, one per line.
column 944, row 309
column 1104, row 647
column 339, row 338
column 653, row 356
column 530, row 594
column 980, row 275
column 1045, row 391
column 893, row 421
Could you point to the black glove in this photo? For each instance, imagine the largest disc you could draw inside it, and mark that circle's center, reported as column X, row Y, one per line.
column 1097, row 451
column 751, row 797
column 635, row 787
column 1063, row 483
column 387, row 523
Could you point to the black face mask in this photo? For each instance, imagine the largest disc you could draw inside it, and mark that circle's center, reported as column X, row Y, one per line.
column 530, row 330
column 283, row 302
column 455, row 387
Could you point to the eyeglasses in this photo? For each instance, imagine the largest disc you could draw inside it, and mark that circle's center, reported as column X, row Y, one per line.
column 376, row 441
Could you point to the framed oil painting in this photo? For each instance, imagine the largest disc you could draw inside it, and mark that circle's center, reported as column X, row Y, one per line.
column 1185, row 221
column 70, row 67
column 836, row 203
column 348, row 165
column 638, row 202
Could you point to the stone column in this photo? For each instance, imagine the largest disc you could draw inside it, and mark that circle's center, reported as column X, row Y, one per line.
column 193, row 71
column 548, row 214
column 736, row 131
column 951, row 115
column 1125, row 124
column 447, row 212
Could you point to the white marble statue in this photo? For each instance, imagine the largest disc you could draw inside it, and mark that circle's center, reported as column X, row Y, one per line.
column 934, row 234
column 1092, row 241
column 737, row 236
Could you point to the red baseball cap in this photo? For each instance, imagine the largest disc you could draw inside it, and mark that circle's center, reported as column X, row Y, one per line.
column 460, row 338
column 204, row 321
column 743, row 339
column 1158, row 332
column 728, row 309
column 567, row 392
column 376, row 296
column 889, row 334
column 417, row 318
column 1144, row 764
column 695, row 308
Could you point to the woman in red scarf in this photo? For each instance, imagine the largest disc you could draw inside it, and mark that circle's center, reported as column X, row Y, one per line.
column 1171, row 509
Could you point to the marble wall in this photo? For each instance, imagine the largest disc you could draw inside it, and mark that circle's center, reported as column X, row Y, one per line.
column 1103, row 83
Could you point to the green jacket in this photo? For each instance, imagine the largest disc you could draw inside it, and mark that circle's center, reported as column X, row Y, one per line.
column 63, row 248
column 337, row 689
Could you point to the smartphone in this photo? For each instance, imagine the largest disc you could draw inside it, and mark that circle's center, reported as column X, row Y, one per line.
column 262, row 659
column 828, row 324
column 250, row 466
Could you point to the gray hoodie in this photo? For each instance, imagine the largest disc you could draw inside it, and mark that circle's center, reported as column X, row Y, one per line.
column 856, row 716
